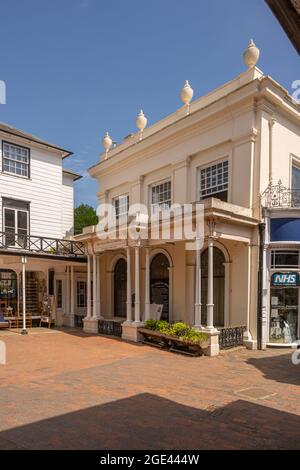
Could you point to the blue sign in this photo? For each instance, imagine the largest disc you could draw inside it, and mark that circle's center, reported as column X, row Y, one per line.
column 285, row 229
column 285, row 279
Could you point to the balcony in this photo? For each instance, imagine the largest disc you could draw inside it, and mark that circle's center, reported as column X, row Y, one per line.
column 279, row 196
column 17, row 243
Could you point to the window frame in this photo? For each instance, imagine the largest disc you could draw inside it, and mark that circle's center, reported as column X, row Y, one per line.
column 294, row 163
column 79, row 281
column 159, row 204
column 117, row 198
column 274, row 266
column 206, row 167
column 6, row 206
column 28, row 176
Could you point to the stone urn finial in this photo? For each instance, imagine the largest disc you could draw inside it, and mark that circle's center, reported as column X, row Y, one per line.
column 141, row 122
column 186, row 93
column 251, row 54
column 107, row 143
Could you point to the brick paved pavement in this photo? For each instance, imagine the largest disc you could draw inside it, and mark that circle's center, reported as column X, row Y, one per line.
column 67, row 390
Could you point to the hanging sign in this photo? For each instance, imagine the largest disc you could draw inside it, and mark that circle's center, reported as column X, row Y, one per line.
column 285, row 279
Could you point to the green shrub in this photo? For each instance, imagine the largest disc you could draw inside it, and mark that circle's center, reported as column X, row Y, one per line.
column 194, row 336
column 180, row 329
column 164, row 327
column 151, row 324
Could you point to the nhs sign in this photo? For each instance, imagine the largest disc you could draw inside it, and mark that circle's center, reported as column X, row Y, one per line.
column 285, row 279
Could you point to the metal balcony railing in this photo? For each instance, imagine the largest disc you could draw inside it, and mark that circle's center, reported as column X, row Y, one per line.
column 280, row 196
column 19, row 242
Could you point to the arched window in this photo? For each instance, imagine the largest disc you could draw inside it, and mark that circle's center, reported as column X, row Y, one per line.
column 159, row 279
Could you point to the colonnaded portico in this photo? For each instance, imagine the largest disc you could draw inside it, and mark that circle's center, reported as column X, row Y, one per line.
column 209, row 288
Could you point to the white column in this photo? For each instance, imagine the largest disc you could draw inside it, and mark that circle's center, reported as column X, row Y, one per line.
column 95, row 283
column 210, row 286
column 99, row 287
column 227, row 268
column 24, row 261
column 128, row 301
column 72, row 300
column 147, row 284
column 137, row 305
column 197, row 321
column 68, row 291
column 89, row 310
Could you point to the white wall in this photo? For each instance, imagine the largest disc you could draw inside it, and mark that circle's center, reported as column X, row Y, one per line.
column 50, row 197
column 67, row 206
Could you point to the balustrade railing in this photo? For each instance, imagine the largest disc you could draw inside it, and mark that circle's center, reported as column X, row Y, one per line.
column 110, row 328
column 231, row 337
column 51, row 246
column 280, row 196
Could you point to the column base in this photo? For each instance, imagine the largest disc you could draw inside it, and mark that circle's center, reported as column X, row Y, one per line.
column 213, row 348
column 248, row 341
column 90, row 325
column 66, row 320
column 130, row 331
column 250, row 344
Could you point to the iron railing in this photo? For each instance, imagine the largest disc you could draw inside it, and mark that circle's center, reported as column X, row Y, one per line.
column 110, row 328
column 231, row 337
column 280, row 196
column 11, row 241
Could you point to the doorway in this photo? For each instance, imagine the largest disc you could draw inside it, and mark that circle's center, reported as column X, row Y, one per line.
column 159, row 283
column 120, row 288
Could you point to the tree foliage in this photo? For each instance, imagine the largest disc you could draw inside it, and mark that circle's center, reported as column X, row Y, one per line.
column 84, row 215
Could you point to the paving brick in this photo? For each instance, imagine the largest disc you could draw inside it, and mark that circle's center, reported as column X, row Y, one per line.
column 69, row 390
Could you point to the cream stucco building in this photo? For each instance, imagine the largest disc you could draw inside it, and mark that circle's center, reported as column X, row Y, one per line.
column 223, row 149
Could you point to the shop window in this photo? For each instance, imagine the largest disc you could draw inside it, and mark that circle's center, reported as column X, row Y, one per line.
column 284, row 315
column 284, row 259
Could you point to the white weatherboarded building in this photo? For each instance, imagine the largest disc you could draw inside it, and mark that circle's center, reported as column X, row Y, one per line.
column 36, row 227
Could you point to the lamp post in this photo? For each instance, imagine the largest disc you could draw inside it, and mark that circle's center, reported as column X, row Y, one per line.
column 24, row 261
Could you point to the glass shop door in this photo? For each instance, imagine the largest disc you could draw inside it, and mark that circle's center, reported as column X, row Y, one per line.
column 284, row 315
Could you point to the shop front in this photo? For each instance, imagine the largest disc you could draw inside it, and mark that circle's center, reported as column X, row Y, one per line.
column 284, row 318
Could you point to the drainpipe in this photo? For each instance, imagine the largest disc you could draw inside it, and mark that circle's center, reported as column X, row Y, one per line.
column 262, row 230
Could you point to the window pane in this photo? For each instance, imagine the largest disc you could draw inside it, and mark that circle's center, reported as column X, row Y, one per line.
column 121, row 204
column 15, row 159
column 284, row 259
column 22, row 220
column 295, row 177
column 161, row 196
column 214, row 181
column 9, row 219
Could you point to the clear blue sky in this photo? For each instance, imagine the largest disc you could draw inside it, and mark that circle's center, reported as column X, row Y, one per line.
column 74, row 68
